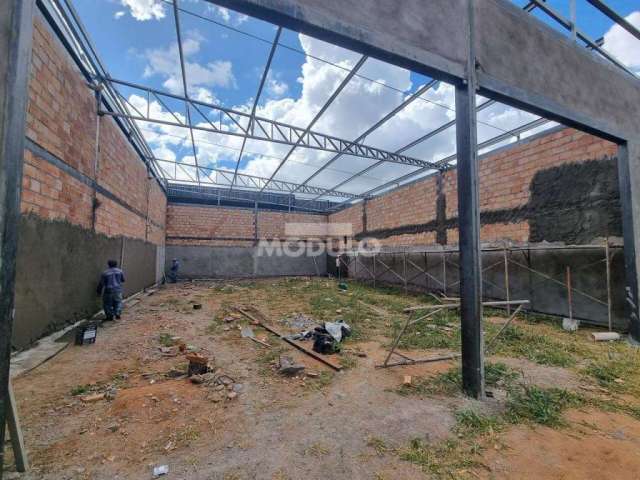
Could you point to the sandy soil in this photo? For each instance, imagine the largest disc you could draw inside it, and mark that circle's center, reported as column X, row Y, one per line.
column 598, row 446
column 276, row 428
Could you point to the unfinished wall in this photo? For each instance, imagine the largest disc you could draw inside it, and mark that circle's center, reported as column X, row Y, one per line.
column 559, row 187
column 217, row 242
column 524, row 190
column 78, row 210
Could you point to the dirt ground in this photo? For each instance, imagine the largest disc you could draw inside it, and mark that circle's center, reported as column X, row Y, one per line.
column 321, row 424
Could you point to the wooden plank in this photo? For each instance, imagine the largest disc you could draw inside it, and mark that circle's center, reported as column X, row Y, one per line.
column 442, row 358
column 17, row 440
column 302, row 348
column 456, row 305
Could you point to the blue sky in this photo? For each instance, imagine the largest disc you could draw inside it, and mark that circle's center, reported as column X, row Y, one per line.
column 137, row 41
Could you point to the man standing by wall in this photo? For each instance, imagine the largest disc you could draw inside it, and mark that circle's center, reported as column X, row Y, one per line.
column 173, row 271
column 110, row 286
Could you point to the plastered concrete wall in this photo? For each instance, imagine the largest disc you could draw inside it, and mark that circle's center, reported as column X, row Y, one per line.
column 59, row 265
column 529, row 272
column 206, row 261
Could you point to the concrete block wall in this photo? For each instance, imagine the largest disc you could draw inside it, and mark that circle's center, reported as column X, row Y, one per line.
column 77, row 212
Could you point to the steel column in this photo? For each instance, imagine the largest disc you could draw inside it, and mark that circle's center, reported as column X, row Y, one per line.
column 629, row 179
column 16, row 26
column 469, row 228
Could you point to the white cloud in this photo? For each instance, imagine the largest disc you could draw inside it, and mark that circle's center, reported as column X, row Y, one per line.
column 119, row 14
column 361, row 104
column 276, row 88
column 227, row 15
column 143, row 10
column 624, row 46
column 165, row 62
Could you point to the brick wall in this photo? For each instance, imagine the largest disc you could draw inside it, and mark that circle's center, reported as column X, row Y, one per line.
column 60, row 162
column 408, row 216
column 224, row 226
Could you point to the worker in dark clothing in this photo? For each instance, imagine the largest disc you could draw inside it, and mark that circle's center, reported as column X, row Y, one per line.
column 110, row 287
column 173, row 271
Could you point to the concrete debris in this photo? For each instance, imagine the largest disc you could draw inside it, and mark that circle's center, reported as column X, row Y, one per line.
column 197, row 379
column 219, row 382
column 288, row 367
column 160, row 470
column 174, row 373
column 299, row 321
column 95, row 397
column 113, row 427
column 111, row 393
column 570, row 324
column 238, row 387
column 605, row 336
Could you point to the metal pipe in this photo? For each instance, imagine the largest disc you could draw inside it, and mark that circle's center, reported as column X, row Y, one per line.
column 506, row 280
column 569, row 297
column 608, row 275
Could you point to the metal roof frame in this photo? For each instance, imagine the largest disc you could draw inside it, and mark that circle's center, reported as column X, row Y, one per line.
column 249, row 126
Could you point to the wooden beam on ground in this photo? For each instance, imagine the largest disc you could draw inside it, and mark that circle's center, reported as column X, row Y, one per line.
column 457, row 305
column 302, row 348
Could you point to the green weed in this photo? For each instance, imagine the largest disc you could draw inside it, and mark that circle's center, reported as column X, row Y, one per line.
column 538, row 405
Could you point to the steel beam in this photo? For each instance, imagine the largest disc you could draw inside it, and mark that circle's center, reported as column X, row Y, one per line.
column 183, row 72
column 16, row 26
column 516, row 132
column 613, row 15
column 409, row 100
column 571, row 27
column 265, row 73
column 412, row 144
column 257, row 183
column 343, row 84
column 265, row 129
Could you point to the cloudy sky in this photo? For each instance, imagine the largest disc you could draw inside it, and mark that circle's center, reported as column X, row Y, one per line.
column 225, row 54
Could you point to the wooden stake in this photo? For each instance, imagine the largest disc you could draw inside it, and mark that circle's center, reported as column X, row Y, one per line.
column 17, row 441
column 569, row 297
column 608, row 267
column 506, row 279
